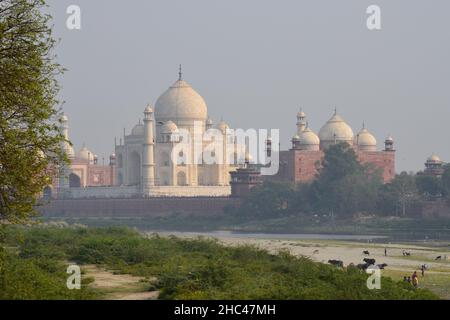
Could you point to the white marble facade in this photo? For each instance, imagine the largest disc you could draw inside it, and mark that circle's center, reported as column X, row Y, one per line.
column 144, row 157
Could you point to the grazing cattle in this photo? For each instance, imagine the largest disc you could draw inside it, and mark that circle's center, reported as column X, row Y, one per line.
column 363, row 266
column 337, row 263
column 406, row 253
column 316, row 252
column 438, row 258
column 369, row 261
column 382, row 266
column 366, row 252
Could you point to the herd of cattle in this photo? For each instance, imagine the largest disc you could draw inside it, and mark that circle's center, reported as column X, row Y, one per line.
column 368, row 262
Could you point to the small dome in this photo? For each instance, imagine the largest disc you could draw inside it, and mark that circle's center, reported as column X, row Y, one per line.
column 223, row 126
column 308, row 137
column 389, row 139
column 85, row 155
column 148, row 109
column 169, row 127
column 366, row 141
column 434, row 158
column 209, row 122
column 301, row 114
column 138, row 130
column 180, row 102
column 112, row 156
column 296, row 137
column 336, row 129
column 309, row 140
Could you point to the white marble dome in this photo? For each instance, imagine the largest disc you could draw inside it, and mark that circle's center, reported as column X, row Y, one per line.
column 309, row 140
column 138, row 130
column 180, row 102
column 336, row 129
column 366, row 141
column 85, row 154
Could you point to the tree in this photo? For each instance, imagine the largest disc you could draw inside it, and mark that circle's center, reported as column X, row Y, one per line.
column 446, row 180
column 400, row 195
column 428, row 185
column 30, row 141
column 269, row 200
column 344, row 186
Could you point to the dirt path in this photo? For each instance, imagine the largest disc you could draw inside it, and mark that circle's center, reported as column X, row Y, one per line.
column 119, row 286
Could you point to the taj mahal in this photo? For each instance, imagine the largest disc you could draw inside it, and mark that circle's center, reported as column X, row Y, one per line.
column 142, row 162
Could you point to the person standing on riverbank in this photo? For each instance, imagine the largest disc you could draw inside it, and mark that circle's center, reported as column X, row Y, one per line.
column 415, row 279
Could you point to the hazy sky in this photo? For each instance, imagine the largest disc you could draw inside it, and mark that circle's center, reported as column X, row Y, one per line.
column 257, row 62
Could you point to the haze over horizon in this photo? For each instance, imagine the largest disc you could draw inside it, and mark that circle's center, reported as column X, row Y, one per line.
column 257, row 63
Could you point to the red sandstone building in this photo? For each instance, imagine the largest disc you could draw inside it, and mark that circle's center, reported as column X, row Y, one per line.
column 302, row 161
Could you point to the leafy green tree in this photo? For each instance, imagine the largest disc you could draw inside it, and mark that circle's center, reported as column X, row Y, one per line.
column 446, row 180
column 400, row 196
column 30, row 141
column 269, row 200
column 429, row 185
column 344, row 186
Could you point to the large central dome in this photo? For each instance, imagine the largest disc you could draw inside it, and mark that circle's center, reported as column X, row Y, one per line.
column 180, row 103
column 334, row 131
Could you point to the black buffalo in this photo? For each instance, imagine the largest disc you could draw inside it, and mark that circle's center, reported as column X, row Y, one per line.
column 337, row 263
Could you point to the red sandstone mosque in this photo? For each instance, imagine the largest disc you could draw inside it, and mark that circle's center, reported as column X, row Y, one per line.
column 301, row 162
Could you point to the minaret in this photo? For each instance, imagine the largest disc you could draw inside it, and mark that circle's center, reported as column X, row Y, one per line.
column 63, row 178
column 148, row 162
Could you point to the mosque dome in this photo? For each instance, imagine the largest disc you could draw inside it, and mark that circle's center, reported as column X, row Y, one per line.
column 180, row 102
column 85, row 155
column 309, row 140
column 138, row 130
column 336, row 129
column 169, row 127
column 365, row 140
column 296, row 137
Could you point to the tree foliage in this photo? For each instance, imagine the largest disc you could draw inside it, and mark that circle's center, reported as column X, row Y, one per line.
column 30, row 148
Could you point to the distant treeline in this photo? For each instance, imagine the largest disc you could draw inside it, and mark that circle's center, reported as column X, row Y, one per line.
column 345, row 188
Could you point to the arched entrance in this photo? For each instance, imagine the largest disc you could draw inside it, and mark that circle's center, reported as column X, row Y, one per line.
column 74, row 181
column 181, row 179
column 134, row 171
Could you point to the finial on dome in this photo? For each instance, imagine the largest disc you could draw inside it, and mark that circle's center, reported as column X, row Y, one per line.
column 335, row 110
column 180, row 73
column 364, row 125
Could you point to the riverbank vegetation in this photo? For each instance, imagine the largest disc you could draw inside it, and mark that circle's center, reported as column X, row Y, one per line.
column 34, row 262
